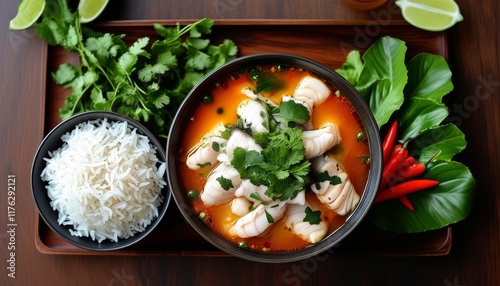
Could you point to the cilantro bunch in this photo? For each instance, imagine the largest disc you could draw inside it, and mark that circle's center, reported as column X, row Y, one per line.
column 145, row 81
column 282, row 164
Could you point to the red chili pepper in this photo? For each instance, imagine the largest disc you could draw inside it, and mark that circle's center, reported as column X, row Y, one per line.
column 406, row 202
column 397, row 149
column 409, row 169
column 391, row 168
column 389, row 141
column 404, row 188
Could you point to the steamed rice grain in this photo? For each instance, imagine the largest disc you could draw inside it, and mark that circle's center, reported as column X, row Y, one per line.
column 105, row 181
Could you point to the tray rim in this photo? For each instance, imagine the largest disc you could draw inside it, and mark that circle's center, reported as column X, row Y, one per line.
column 441, row 250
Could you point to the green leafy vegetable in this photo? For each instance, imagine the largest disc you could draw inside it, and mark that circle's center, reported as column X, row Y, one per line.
column 445, row 204
column 312, row 217
column 352, row 67
column 429, row 76
column 281, row 166
column 447, row 140
column 379, row 76
column 145, row 81
column 421, row 114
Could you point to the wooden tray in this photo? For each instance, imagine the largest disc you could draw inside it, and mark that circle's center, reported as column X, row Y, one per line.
column 327, row 42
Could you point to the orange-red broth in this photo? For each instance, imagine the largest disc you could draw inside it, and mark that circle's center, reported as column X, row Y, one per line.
column 350, row 153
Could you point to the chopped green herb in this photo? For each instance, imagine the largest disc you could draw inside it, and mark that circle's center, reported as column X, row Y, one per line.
column 265, row 81
column 206, row 164
column 313, row 217
column 216, row 146
column 324, row 177
column 269, row 217
column 226, row 184
column 281, row 166
column 255, row 196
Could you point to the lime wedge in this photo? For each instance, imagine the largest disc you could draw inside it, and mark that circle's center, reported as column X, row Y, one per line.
column 27, row 13
column 430, row 15
column 90, row 9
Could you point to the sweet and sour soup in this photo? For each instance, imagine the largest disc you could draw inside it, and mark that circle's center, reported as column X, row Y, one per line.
column 240, row 211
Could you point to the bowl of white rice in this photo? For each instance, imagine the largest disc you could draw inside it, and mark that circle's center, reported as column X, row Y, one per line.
column 98, row 181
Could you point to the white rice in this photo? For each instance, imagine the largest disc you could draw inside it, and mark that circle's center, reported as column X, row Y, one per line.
column 104, row 181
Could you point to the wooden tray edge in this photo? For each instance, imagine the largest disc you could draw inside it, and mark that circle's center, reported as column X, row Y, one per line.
column 249, row 22
column 442, row 250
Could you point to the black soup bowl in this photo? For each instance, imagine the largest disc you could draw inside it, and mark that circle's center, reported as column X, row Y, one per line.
column 53, row 142
column 185, row 114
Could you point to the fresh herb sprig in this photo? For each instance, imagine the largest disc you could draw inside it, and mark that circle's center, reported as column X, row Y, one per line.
column 281, row 166
column 145, row 81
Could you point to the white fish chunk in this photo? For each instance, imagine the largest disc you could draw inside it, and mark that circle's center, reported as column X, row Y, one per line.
column 253, row 115
column 250, row 94
column 295, row 215
column 251, row 192
column 205, row 152
column 256, row 222
column 240, row 206
column 317, row 142
column 221, row 185
column 238, row 138
column 341, row 198
column 312, row 91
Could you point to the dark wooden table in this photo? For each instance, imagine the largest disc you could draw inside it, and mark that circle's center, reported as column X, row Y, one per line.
column 474, row 46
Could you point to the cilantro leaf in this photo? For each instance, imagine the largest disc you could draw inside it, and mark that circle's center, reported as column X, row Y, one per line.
column 137, row 47
column 281, row 166
column 324, row 176
column 64, row 74
column 225, row 183
column 220, row 53
column 103, row 47
column 159, row 99
column 312, row 217
column 292, row 111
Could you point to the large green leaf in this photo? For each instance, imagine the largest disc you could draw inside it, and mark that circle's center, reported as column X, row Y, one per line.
column 421, row 114
column 384, row 73
column 378, row 102
column 429, row 76
column 435, row 208
column 352, row 67
column 446, row 139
